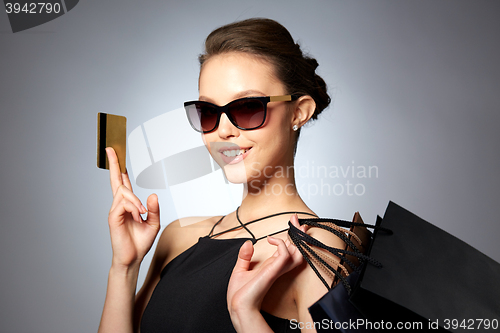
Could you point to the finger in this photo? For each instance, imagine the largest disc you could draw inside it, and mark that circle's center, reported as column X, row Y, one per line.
column 126, row 180
column 132, row 209
column 287, row 257
column 115, row 176
column 296, row 255
column 290, row 246
column 244, row 257
column 282, row 250
column 271, row 269
column 124, row 193
column 153, row 210
column 294, row 219
column 126, row 206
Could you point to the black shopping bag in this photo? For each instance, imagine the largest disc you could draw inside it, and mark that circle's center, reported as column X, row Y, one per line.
column 430, row 281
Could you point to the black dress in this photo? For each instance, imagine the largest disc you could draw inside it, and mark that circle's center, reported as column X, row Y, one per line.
column 191, row 293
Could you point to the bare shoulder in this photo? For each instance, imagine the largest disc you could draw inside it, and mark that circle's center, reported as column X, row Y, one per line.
column 326, row 237
column 309, row 287
column 180, row 235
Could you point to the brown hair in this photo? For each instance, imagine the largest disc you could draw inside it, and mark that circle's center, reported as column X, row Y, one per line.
column 272, row 41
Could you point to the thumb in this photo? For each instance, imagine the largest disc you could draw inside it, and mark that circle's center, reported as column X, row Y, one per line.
column 153, row 210
column 244, row 257
column 294, row 219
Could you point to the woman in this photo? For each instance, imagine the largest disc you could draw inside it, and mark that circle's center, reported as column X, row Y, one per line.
column 224, row 275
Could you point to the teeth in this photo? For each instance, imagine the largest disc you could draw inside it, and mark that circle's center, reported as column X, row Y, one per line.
column 234, row 152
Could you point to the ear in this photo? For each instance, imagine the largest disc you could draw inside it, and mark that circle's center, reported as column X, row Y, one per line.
column 303, row 111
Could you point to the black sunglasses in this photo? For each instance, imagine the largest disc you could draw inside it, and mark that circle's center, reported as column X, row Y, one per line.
column 245, row 113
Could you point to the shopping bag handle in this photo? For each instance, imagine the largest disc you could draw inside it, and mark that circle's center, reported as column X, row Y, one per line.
column 305, row 242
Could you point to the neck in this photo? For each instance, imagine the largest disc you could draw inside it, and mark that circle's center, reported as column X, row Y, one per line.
column 271, row 195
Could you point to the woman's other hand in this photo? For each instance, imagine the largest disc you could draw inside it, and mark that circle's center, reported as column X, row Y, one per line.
column 131, row 236
column 247, row 287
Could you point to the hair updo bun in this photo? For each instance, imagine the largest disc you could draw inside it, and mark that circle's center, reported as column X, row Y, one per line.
column 272, row 41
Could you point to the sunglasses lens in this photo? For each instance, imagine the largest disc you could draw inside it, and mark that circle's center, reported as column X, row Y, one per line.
column 202, row 116
column 247, row 114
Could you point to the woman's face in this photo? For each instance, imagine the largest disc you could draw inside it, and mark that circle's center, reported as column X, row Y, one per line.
column 260, row 152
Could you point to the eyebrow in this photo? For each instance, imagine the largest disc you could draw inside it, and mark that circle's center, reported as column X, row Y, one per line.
column 246, row 93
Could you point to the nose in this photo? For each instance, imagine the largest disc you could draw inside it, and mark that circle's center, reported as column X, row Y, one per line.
column 226, row 129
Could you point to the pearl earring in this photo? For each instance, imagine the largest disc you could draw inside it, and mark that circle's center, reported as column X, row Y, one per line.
column 295, row 127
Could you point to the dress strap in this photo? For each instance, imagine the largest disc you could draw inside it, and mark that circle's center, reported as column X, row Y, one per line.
column 210, row 233
column 272, row 234
column 244, row 225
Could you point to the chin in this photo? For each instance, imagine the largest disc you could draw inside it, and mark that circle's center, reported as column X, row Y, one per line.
column 236, row 173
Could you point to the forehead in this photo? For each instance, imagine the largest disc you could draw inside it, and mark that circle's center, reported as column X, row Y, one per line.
column 226, row 76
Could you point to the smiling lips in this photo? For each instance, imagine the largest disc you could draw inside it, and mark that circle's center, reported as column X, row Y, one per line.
column 233, row 155
column 234, row 152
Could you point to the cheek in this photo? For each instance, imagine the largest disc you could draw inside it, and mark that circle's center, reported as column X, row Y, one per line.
column 204, row 138
column 207, row 139
column 278, row 130
column 279, row 118
column 273, row 145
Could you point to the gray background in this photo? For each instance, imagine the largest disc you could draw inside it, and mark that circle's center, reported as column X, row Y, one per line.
column 416, row 94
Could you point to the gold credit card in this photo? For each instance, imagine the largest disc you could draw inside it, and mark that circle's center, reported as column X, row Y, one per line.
column 111, row 132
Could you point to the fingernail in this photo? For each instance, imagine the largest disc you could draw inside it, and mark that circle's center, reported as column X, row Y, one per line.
column 143, row 209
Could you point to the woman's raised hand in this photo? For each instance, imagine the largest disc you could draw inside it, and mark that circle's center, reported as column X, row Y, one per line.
column 131, row 236
column 247, row 288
